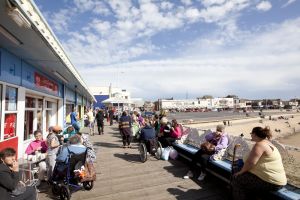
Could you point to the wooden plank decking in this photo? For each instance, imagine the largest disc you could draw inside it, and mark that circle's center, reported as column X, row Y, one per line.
column 121, row 175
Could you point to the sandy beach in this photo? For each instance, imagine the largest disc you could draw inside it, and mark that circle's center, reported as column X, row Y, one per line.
column 286, row 131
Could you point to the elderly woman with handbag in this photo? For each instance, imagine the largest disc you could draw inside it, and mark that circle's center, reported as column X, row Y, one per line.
column 215, row 142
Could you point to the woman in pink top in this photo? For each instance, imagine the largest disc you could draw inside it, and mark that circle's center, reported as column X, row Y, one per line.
column 175, row 133
column 38, row 145
column 176, row 130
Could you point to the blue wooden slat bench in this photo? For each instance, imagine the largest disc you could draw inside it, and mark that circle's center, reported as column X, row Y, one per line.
column 222, row 170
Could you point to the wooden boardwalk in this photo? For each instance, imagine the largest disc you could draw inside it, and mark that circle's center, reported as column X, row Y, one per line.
column 121, row 175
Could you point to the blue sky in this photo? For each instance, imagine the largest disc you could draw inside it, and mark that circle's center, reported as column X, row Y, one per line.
column 250, row 48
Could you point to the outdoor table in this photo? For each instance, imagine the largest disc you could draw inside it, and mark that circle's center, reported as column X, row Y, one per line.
column 28, row 170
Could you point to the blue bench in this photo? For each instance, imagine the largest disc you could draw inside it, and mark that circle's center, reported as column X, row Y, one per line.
column 222, row 170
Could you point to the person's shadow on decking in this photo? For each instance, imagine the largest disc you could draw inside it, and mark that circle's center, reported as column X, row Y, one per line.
column 200, row 193
column 133, row 158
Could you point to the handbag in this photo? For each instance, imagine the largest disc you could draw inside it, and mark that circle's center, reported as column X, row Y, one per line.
column 89, row 172
column 166, row 153
column 208, row 148
column 173, row 154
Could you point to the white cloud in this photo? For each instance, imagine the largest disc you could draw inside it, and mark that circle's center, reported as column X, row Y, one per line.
column 102, row 27
column 90, row 5
column 141, row 23
column 208, row 3
column 60, row 20
column 288, row 3
column 166, row 5
column 256, row 69
column 187, row 2
column 192, row 14
column 225, row 60
column 120, row 8
column 264, row 6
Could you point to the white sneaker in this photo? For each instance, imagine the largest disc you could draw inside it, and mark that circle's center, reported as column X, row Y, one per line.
column 201, row 177
column 189, row 175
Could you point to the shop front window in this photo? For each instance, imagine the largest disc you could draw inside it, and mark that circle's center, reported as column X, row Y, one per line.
column 11, row 99
column 49, row 104
column 10, row 124
column 69, row 108
column 39, row 120
column 40, row 103
column 0, row 106
column 79, row 111
column 33, row 116
column 28, row 124
column 30, row 102
column 51, row 113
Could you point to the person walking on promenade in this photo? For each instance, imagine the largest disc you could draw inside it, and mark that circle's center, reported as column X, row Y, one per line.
column 106, row 114
column 9, row 178
column 263, row 170
column 111, row 116
column 91, row 119
column 125, row 125
column 100, row 121
column 218, row 140
column 74, row 120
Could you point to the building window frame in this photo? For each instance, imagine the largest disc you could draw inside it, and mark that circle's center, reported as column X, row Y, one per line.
column 8, row 111
column 1, row 94
column 35, row 109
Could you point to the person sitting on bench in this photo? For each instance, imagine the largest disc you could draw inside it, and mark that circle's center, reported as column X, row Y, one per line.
column 263, row 170
column 218, row 140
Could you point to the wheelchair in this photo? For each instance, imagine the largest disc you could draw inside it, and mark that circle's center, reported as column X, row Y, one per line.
column 63, row 177
column 152, row 146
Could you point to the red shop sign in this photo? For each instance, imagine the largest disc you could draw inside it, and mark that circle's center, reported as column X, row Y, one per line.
column 10, row 125
column 45, row 83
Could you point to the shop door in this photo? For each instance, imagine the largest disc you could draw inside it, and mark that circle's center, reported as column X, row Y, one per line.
column 33, row 116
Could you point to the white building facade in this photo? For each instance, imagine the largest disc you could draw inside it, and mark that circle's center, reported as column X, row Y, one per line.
column 215, row 103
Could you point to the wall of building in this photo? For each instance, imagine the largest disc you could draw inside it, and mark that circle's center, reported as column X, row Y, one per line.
column 200, row 103
column 30, row 99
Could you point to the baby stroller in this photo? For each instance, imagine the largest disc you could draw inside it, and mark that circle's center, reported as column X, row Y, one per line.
column 64, row 178
column 152, row 146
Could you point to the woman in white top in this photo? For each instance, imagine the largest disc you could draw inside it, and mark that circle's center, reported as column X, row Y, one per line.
column 263, row 170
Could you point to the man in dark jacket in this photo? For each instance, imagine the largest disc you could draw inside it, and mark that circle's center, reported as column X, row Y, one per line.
column 100, row 121
column 148, row 135
column 148, row 132
column 111, row 116
column 125, row 125
column 9, row 177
